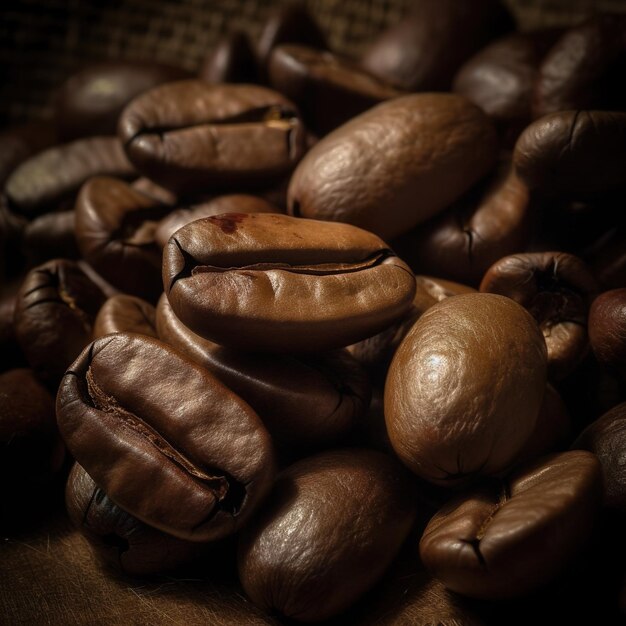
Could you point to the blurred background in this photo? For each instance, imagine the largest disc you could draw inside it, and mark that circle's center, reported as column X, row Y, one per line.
column 44, row 41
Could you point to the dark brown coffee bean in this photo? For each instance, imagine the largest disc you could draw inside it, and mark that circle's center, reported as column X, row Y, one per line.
column 191, row 136
column 125, row 314
column 54, row 315
column 90, row 101
column 328, row 89
column 423, row 51
column 231, row 61
column 502, row 543
column 281, row 284
column 606, row 438
column 490, row 221
column 234, row 203
column 500, row 79
column 47, row 179
column 573, row 153
column 51, row 236
column 557, row 289
column 115, row 231
column 370, row 171
column 330, row 529
column 465, row 387
column 119, row 539
column 305, row 402
column 585, row 68
column 607, row 328
column 163, row 438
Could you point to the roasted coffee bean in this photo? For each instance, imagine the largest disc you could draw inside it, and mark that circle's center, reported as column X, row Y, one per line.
column 378, row 350
column 607, row 328
column 507, row 540
column 234, row 203
column 423, row 51
column 573, row 153
column 331, row 527
column 115, row 231
column 465, row 387
column 328, row 89
column 231, row 61
column 500, row 79
column 490, row 221
column 290, row 23
column 125, row 314
column 55, row 175
column 585, row 68
column 191, row 136
column 54, row 315
column 119, row 539
column 304, row 402
column 31, row 451
column 557, row 289
column 396, row 165
column 51, row 236
column 281, row 284
column 90, row 101
column 606, row 438
column 163, row 438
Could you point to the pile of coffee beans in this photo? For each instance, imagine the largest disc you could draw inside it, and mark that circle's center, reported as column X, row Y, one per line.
column 308, row 313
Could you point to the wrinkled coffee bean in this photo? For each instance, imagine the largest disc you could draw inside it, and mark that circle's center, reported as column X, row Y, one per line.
column 233, row 203
column 460, row 244
column 557, row 289
column 607, row 328
column 125, row 314
column 585, row 68
column 163, row 438
column 465, row 387
column 118, row 538
column 329, row 530
column 191, row 136
column 281, row 284
column 423, row 51
column 606, row 438
column 231, row 61
column 90, row 101
column 50, row 236
column 573, row 153
column 328, row 89
column 44, row 181
column 507, row 540
column 396, row 165
column 115, row 231
column 54, row 315
column 304, row 402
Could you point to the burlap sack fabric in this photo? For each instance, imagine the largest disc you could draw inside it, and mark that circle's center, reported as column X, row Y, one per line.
column 44, row 41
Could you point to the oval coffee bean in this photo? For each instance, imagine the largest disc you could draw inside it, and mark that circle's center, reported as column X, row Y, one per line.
column 505, row 543
column 164, row 439
column 115, row 230
column 191, row 136
column 281, row 284
column 331, row 527
column 54, row 315
column 395, row 165
column 465, row 387
column 557, row 289
column 607, row 328
column 90, row 101
column 304, row 402
column 573, row 153
column 118, row 538
column 125, row 314
column 606, row 438
column 45, row 180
